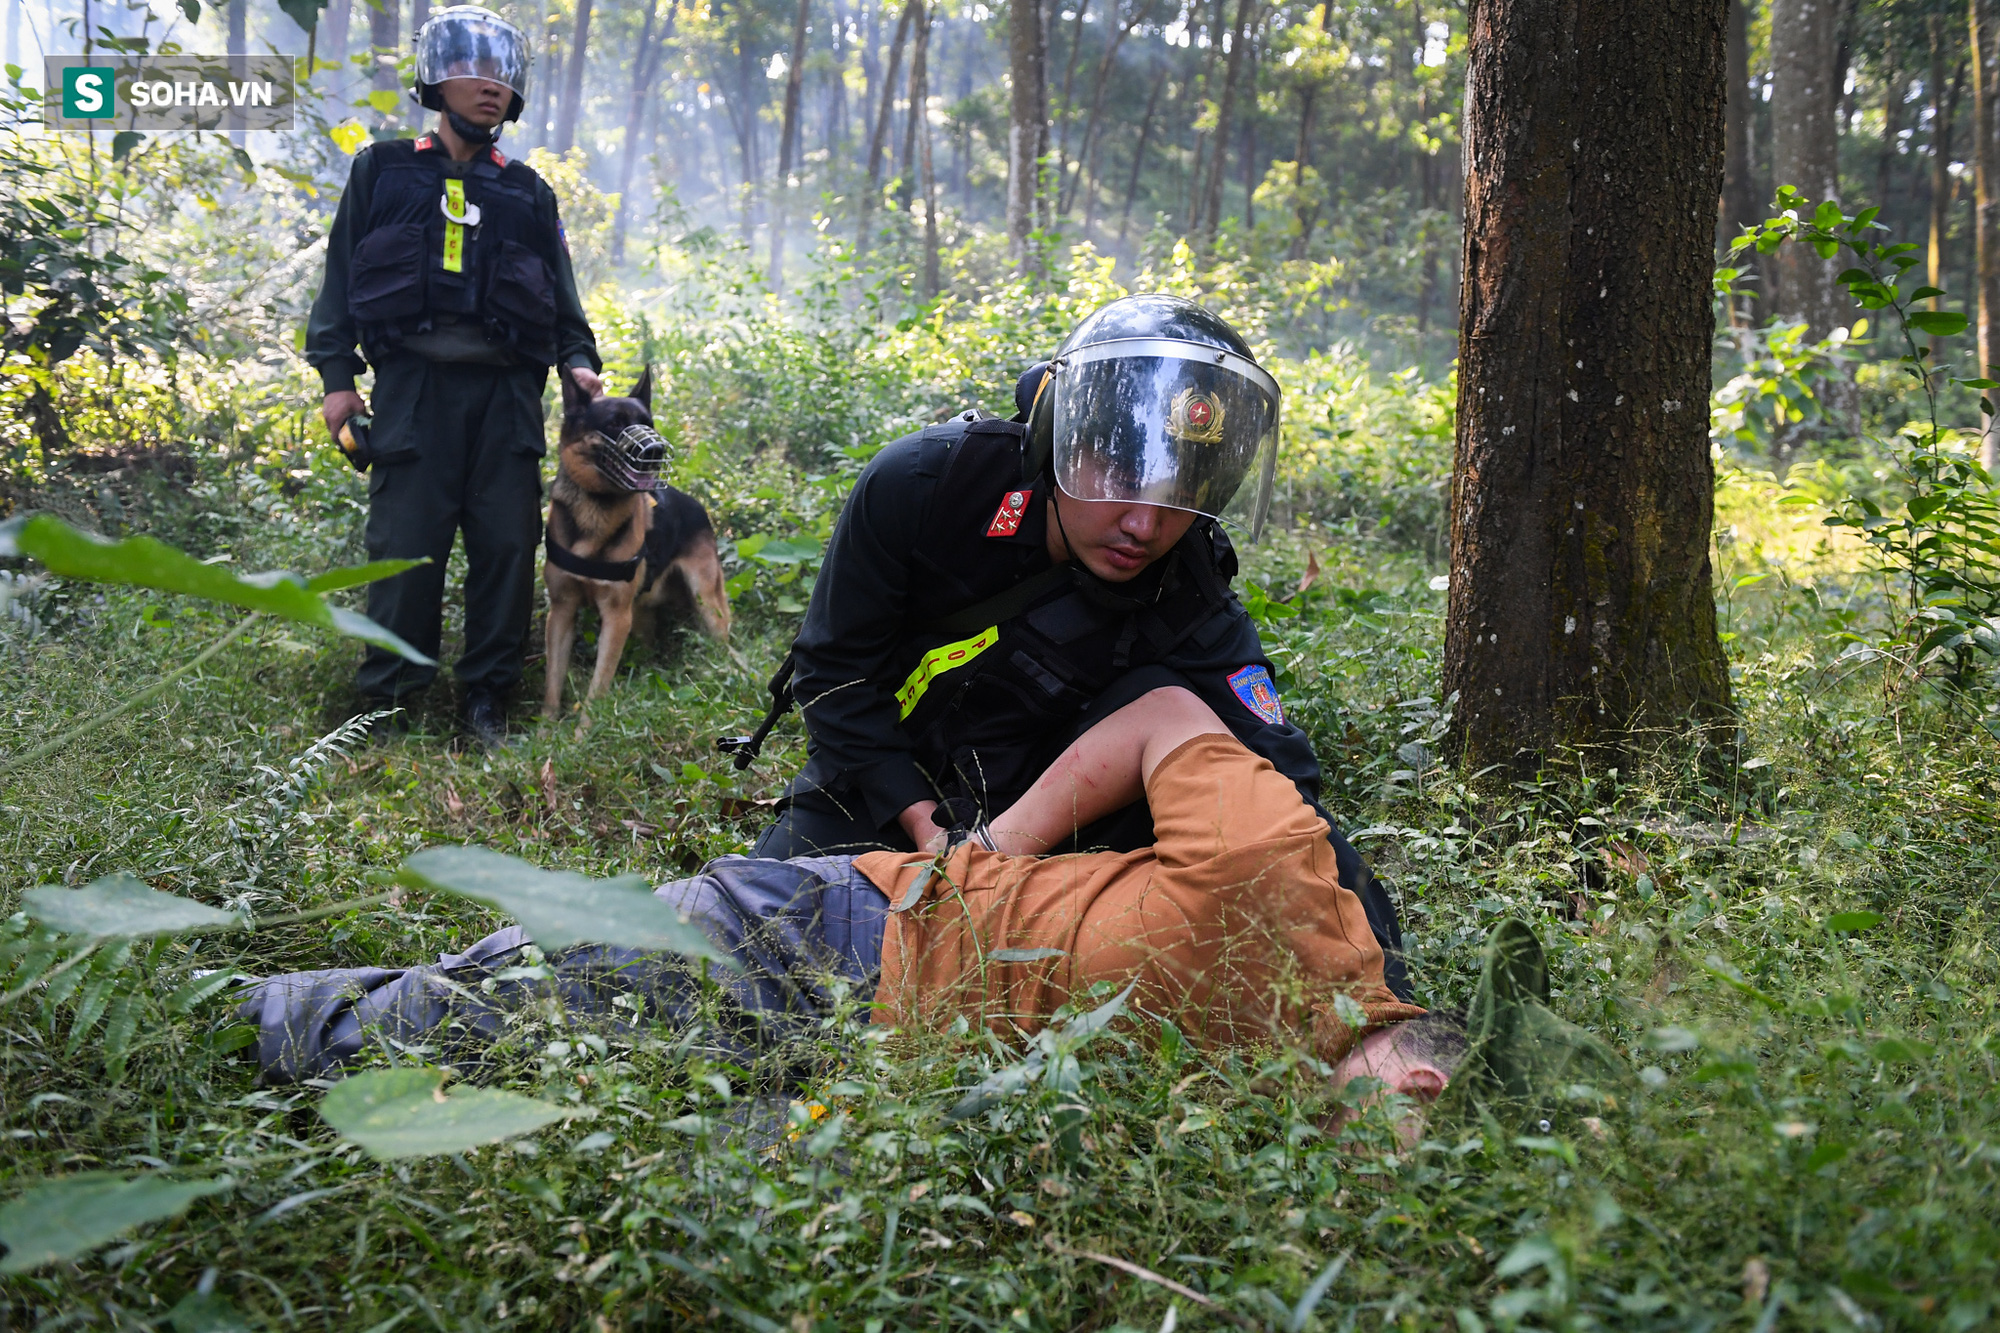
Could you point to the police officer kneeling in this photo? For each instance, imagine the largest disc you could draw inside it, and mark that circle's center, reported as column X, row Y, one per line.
column 447, row 264
column 995, row 588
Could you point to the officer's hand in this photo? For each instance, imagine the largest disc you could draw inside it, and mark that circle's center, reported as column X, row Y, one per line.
column 588, row 380
column 338, row 407
column 922, row 831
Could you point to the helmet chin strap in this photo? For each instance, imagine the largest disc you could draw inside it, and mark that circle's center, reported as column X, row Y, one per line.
column 468, row 131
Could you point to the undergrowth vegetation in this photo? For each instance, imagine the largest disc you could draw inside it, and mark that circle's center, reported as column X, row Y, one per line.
column 1797, row 955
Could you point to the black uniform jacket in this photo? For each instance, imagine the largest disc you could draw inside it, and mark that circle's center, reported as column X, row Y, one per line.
column 901, row 708
column 514, row 271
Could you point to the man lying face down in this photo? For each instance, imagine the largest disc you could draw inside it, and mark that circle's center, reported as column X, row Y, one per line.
column 1234, row 924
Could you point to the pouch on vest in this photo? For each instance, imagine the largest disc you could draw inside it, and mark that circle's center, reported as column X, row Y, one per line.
column 386, row 282
column 522, row 291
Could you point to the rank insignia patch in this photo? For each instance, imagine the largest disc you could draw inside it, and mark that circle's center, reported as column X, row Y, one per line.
column 1253, row 686
column 1007, row 518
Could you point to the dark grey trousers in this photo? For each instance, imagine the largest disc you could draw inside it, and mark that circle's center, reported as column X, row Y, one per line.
column 458, row 449
column 801, row 930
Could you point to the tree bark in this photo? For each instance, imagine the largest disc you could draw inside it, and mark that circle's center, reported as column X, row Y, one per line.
column 1103, row 82
column 1944, row 110
column 1892, row 125
column 1804, row 151
column 1309, row 91
column 879, row 137
column 920, row 96
column 1581, row 613
column 572, row 98
column 788, row 133
column 645, row 64
column 382, row 48
column 420, row 13
column 1065, row 112
column 1027, row 123
column 919, row 93
column 1739, row 194
column 1139, row 156
column 1209, row 215
column 1984, row 24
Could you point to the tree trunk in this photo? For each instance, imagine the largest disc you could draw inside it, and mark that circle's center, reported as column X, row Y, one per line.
column 1804, row 151
column 1139, row 156
column 1984, row 22
column 1581, row 612
column 919, row 93
column 572, row 98
column 335, row 24
column 836, row 87
column 1209, row 215
column 645, row 63
column 1065, row 112
column 1739, row 197
column 1309, row 92
column 878, row 138
column 871, row 60
column 420, row 13
column 788, row 133
column 382, row 48
column 1892, row 126
column 1027, row 123
column 1103, row 83
column 1944, row 109
column 920, row 96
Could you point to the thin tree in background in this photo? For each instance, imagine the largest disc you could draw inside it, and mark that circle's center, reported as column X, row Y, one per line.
column 383, row 77
column 788, row 134
column 1208, row 212
column 878, row 138
column 420, row 13
column 1310, row 89
column 1738, row 204
column 645, row 65
column 1027, row 125
column 914, row 98
column 571, row 106
column 920, row 96
column 1581, row 610
column 1101, row 87
column 1944, row 110
column 1065, row 111
column 1983, row 23
column 1805, row 142
column 335, row 24
column 1139, row 156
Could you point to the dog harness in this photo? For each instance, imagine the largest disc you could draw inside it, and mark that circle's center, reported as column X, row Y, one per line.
column 586, row 567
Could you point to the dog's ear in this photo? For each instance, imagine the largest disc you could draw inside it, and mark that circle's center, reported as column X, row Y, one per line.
column 642, row 392
column 575, row 400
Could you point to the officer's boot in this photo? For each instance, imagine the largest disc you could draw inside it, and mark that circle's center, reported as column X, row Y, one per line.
column 484, row 714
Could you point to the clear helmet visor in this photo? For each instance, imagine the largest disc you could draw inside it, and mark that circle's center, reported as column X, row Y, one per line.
column 466, row 42
column 1164, row 422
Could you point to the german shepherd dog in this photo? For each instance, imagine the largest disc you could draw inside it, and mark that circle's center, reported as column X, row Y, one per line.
column 619, row 538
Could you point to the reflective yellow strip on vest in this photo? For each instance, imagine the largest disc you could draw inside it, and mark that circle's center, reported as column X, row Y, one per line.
column 947, row 657
column 454, row 233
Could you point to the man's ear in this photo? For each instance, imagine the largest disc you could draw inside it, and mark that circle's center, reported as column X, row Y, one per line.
column 1425, row 1082
column 575, row 400
column 642, row 392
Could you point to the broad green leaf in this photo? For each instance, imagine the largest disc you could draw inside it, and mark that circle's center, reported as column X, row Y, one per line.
column 119, row 906
column 305, row 13
column 191, row 9
column 1926, row 293
column 349, row 136
column 1938, row 323
column 142, row 562
column 124, row 142
column 1902, row 1050
column 1853, row 921
column 76, row 1214
column 386, row 101
column 559, row 908
column 404, row 1113
column 194, row 992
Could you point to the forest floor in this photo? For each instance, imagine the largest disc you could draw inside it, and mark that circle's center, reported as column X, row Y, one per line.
column 1812, row 1140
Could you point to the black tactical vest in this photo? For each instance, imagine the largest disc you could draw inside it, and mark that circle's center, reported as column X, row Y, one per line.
column 409, row 267
column 989, row 706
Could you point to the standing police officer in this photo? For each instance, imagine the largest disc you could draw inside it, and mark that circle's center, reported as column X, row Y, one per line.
column 447, row 265
column 995, row 588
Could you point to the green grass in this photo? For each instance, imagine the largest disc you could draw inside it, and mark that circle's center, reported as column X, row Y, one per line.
column 1813, row 1143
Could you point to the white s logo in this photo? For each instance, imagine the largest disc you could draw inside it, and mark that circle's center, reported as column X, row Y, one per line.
column 90, row 93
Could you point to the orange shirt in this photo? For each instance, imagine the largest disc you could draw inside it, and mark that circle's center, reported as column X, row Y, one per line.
column 1235, row 922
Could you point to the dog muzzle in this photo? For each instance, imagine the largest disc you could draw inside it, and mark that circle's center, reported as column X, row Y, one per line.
column 633, row 459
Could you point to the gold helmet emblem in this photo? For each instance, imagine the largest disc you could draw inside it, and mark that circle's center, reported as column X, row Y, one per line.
column 1195, row 417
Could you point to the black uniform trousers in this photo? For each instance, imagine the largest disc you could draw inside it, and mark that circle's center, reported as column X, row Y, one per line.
column 458, row 449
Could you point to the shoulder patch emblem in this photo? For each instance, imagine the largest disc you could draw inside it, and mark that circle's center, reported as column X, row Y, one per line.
column 1253, row 686
column 499, row 158
column 424, row 144
column 1013, row 508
